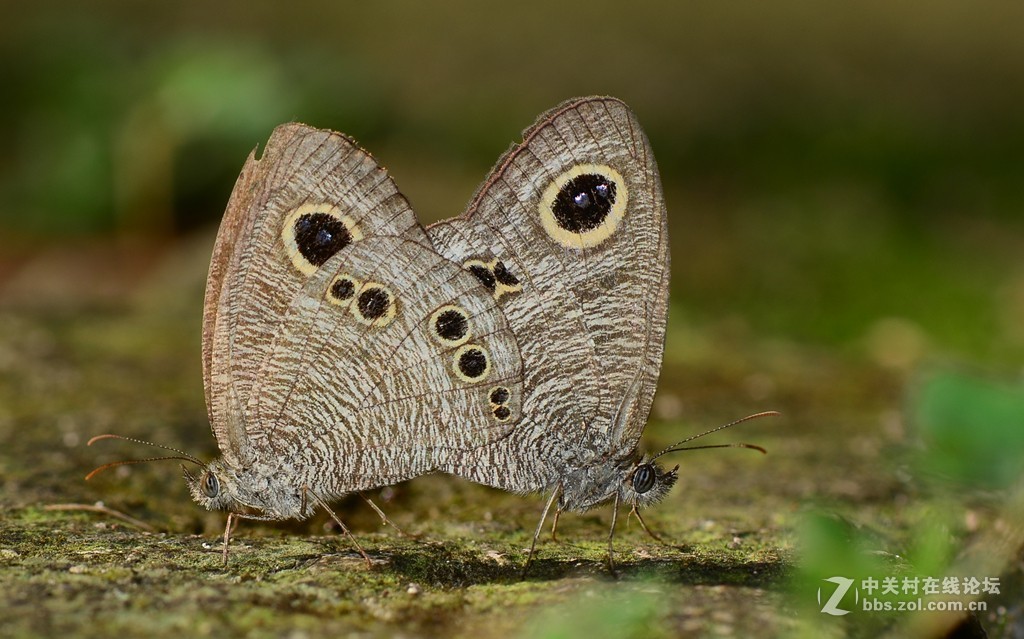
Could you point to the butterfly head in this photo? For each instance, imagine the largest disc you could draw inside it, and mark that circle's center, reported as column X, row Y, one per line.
column 215, row 488
column 635, row 480
column 646, row 482
column 247, row 493
column 220, row 486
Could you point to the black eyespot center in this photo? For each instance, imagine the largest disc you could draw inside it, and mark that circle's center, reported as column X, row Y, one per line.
column 503, row 275
column 483, row 274
column 643, row 478
column 472, row 363
column 319, row 236
column 584, row 202
column 373, row 303
column 210, row 486
column 343, row 289
column 499, row 395
column 502, row 413
column 451, row 325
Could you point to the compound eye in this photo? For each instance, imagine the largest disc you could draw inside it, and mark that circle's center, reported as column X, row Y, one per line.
column 643, row 478
column 211, row 486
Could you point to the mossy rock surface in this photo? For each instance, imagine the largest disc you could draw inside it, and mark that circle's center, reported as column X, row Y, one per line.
column 730, row 563
column 133, row 370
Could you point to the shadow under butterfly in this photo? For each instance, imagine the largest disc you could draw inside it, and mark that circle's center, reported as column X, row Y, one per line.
column 518, row 345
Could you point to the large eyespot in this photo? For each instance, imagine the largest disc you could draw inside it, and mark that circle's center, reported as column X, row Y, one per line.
column 375, row 305
column 313, row 233
column 449, row 325
column 643, row 478
column 471, row 363
column 583, row 206
column 210, row 485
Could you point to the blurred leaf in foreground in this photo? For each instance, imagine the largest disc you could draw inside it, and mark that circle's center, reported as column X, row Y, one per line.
column 609, row 613
column 973, row 430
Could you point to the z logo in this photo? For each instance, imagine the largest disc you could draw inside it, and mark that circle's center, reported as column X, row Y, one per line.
column 831, row 606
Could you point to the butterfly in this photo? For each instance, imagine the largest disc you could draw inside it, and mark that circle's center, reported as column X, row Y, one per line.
column 347, row 347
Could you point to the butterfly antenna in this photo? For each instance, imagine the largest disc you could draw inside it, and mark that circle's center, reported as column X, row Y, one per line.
column 677, row 446
column 182, row 454
column 126, row 462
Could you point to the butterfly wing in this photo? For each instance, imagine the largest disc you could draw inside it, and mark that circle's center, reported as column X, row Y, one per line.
column 344, row 350
column 328, row 193
column 576, row 217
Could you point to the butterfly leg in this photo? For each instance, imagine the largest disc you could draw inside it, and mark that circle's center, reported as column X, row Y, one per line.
column 383, row 517
column 227, row 535
column 554, row 524
column 611, row 536
column 540, row 527
column 338, row 521
column 233, row 519
column 643, row 524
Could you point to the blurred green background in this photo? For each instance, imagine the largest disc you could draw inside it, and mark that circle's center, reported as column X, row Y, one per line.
column 849, row 174
column 845, row 185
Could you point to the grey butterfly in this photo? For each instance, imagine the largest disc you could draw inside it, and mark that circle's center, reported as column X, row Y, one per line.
column 576, row 214
column 346, row 347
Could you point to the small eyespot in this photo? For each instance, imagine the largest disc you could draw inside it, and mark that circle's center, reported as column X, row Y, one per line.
column 499, row 396
column 375, row 305
column 505, row 278
column 342, row 289
column 643, row 478
column 210, row 485
column 471, row 363
column 482, row 272
column 449, row 325
column 494, row 276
